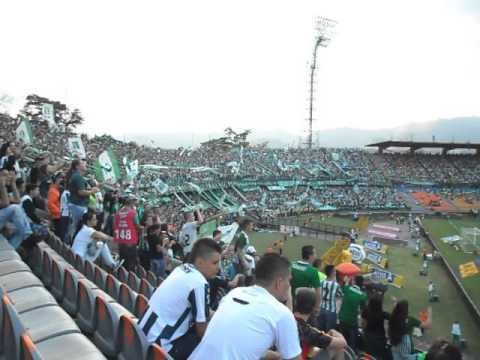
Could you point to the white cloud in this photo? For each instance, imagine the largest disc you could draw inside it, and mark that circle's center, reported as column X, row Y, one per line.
column 204, row 65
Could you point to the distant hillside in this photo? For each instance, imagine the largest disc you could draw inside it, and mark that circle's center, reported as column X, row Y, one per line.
column 459, row 129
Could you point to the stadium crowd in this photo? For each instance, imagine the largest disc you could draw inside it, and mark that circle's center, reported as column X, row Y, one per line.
column 279, row 309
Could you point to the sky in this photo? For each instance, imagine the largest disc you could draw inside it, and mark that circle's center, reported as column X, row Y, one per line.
column 148, row 67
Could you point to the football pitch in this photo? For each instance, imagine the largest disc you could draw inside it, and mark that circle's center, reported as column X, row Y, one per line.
column 401, row 261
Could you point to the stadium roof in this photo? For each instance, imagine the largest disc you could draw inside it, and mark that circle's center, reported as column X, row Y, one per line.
column 415, row 145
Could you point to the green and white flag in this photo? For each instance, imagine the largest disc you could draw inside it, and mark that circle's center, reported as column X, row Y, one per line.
column 228, row 232
column 106, row 167
column 131, row 168
column 161, row 187
column 48, row 113
column 75, row 145
column 24, row 131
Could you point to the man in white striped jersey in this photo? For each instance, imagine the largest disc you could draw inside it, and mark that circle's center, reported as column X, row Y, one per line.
column 330, row 289
column 178, row 310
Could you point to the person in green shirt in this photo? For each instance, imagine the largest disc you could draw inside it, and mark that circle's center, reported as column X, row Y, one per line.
column 79, row 191
column 353, row 299
column 305, row 275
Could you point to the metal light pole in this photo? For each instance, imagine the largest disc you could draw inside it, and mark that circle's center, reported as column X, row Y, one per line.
column 325, row 33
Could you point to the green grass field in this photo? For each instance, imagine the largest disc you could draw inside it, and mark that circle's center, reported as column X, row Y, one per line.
column 442, row 228
column 445, row 312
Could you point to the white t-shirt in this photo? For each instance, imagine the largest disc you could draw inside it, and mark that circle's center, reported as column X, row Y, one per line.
column 456, row 329
column 188, row 236
column 64, row 200
column 81, row 241
column 248, row 322
column 181, row 299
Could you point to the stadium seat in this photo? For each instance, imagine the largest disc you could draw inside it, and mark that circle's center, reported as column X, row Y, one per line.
column 31, row 298
column 47, row 322
column 12, row 266
column 58, row 278
column 131, row 339
column 28, row 350
column 133, row 281
column 100, row 277
column 79, row 263
column 145, row 288
column 46, row 274
column 141, row 272
column 155, row 352
column 152, row 279
column 7, row 255
column 87, row 292
column 89, row 270
column 70, row 291
column 107, row 317
column 122, row 274
column 12, row 329
column 68, row 346
column 127, row 297
column 19, row 280
column 36, row 260
column 70, row 256
column 141, row 305
column 112, row 286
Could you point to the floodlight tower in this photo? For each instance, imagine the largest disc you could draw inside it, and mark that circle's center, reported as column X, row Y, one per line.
column 325, row 32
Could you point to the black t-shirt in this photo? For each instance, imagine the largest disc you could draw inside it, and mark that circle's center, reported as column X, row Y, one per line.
column 375, row 324
column 153, row 242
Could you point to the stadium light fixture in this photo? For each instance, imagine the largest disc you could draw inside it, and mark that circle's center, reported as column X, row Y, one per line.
column 325, row 31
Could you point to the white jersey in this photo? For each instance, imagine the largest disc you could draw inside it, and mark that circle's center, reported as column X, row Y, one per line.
column 64, row 200
column 81, row 241
column 181, row 299
column 188, row 236
column 248, row 322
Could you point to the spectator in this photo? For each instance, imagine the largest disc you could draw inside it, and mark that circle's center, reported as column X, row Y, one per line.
column 354, row 299
column 188, row 233
column 375, row 339
column 11, row 213
column 400, row 327
column 318, row 265
column 330, row 289
column 126, row 233
column 79, row 194
column 64, row 215
column 54, row 202
column 182, row 300
column 89, row 243
column 217, row 236
column 250, row 320
column 442, row 350
column 157, row 255
column 310, row 337
column 305, row 275
column 32, row 191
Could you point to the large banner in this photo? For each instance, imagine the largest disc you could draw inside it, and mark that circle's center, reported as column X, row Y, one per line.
column 375, row 246
column 24, row 132
column 377, row 258
column 48, row 114
column 106, row 167
column 387, row 277
column 75, row 145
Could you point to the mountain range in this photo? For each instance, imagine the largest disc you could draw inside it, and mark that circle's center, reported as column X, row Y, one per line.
column 460, row 129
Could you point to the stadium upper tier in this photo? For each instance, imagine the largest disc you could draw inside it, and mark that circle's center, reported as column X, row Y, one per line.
column 205, row 165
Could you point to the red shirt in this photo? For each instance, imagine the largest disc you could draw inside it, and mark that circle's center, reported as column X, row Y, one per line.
column 125, row 226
